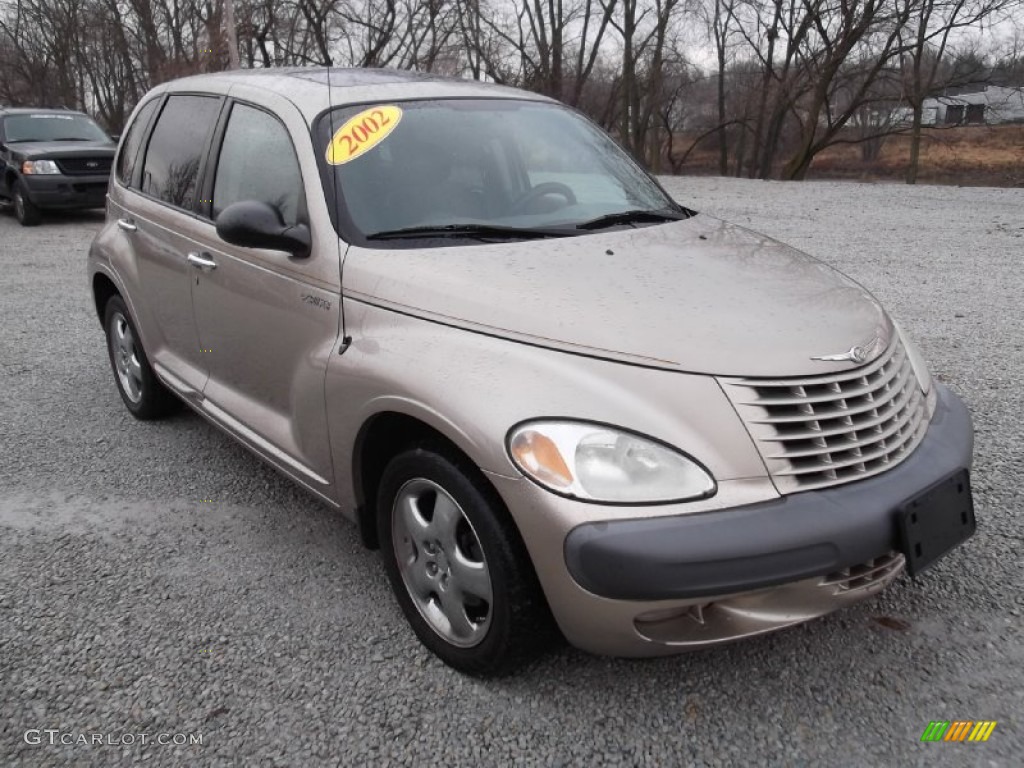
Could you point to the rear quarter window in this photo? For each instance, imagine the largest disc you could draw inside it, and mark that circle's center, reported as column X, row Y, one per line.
column 129, row 154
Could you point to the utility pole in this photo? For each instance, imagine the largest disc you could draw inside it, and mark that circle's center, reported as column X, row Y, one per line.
column 229, row 22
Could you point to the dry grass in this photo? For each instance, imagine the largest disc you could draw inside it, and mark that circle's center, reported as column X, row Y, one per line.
column 971, row 156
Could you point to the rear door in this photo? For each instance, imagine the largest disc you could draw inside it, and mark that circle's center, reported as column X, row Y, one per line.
column 157, row 216
column 267, row 320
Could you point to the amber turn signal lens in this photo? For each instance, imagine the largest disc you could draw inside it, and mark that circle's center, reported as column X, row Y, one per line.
column 539, row 456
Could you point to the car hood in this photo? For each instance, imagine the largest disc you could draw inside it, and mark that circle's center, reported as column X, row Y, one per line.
column 45, row 149
column 699, row 295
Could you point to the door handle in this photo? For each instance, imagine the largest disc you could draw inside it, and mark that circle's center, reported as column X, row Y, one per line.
column 127, row 225
column 201, row 260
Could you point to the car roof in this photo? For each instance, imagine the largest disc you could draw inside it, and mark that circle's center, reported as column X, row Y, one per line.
column 40, row 111
column 313, row 89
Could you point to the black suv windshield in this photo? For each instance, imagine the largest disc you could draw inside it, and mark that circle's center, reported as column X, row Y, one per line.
column 47, row 126
column 479, row 168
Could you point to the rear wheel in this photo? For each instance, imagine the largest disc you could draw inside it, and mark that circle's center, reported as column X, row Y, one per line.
column 458, row 566
column 142, row 392
column 25, row 210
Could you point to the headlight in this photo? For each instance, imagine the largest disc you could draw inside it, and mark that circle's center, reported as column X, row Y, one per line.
column 39, row 167
column 599, row 463
column 924, row 378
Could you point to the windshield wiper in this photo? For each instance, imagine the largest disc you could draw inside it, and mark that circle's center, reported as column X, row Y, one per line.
column 467, row 230
column 632, row 217
column 72, row 138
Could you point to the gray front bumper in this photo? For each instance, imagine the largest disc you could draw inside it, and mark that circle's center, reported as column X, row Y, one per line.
column 761, row 545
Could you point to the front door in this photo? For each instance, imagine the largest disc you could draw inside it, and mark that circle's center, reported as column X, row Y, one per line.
column 268, row 321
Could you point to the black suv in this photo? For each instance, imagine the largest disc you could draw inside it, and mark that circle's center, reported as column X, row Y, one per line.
column 52, row 158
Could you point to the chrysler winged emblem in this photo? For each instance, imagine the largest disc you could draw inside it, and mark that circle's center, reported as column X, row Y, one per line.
column 859, row 353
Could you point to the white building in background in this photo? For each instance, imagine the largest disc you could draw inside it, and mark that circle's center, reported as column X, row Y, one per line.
column 989, row 105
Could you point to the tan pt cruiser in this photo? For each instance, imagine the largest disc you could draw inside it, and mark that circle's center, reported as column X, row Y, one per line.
column 555, row 399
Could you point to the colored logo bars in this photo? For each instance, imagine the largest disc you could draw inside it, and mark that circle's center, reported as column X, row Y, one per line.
column 958, row 730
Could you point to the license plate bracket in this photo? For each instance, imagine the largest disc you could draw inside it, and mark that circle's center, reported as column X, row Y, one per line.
column 935, row 521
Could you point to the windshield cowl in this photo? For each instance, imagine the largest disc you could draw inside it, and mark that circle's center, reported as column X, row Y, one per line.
column 480, row 231
column 635, row 217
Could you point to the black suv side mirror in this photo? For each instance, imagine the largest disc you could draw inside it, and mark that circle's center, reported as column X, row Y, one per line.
column 255, row 224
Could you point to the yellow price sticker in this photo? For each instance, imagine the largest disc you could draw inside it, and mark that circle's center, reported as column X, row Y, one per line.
column 362, row 133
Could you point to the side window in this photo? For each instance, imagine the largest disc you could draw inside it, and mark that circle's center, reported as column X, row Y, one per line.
column 176, row 147
column 257, row 162
column 126, row 160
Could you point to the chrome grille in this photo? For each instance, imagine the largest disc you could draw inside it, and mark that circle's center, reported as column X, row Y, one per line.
column 816, row 431
column 83, row 166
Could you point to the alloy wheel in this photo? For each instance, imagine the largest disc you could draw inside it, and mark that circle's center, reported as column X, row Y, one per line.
column 126, row 357
column 441, row 562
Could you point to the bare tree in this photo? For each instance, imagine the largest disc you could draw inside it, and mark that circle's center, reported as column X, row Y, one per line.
column 231, row 32
column 723, row 16
column 787, row 79
column 932, row 22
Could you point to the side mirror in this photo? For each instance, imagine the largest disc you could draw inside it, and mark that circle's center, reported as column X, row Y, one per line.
column 255, row 224
column 115, row 137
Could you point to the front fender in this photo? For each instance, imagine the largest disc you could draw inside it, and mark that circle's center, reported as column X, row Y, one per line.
column 473, row 388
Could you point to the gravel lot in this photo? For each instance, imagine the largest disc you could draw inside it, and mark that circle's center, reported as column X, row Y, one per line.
column 156, row 578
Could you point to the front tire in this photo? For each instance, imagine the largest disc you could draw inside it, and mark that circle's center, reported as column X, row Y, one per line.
column 25, row 211
column 143, row 394
column 458, row 567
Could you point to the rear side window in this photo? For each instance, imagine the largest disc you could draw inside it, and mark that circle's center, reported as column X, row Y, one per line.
column 257, row 162
column 126, row 161
column 171, row 168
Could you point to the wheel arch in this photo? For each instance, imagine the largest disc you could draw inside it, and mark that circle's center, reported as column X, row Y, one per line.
column 103, row 289
column 381, row 437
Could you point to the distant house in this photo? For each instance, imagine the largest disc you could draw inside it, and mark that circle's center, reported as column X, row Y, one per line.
column 989, row 105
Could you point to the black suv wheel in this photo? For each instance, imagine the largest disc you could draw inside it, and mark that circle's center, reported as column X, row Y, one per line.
column 25, row 210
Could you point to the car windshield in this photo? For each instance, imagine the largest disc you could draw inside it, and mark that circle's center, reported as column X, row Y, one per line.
column 483, row 168
column 46, row 126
